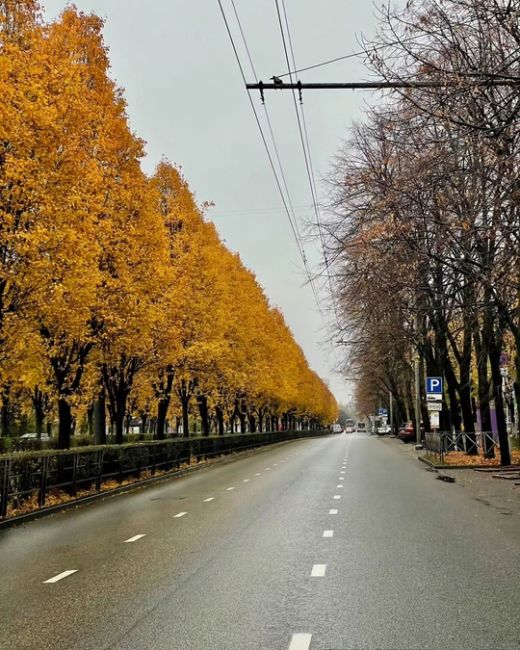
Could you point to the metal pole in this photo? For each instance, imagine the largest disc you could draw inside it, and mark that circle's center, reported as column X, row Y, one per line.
column 417, row 403
column 375, row 85
column 391, row 413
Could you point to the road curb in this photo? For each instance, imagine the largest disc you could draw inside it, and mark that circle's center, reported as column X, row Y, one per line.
column 130, row 487
column 436, row 466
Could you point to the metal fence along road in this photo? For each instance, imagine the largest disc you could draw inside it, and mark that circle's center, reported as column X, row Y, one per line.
column 33, row 476
column 439, row 443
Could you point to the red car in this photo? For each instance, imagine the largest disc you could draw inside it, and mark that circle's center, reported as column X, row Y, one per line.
column 406, row 432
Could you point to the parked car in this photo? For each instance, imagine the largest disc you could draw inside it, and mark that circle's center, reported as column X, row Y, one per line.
column 383, row 429
column 337, row 428
column 32, row 435
column 361, row 426
column 407, row 433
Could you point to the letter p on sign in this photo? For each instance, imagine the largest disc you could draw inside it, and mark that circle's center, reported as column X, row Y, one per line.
column 434, row 385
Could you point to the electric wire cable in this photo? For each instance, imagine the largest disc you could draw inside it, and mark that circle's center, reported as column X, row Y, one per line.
column 352, row 55
column 269, row 125
column 304, row 139
column 271, row 162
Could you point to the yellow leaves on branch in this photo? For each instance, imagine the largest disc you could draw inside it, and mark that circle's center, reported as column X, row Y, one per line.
column 103, row 267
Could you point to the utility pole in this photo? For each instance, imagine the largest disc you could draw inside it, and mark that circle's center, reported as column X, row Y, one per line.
column 418, row 438
column 391, row 412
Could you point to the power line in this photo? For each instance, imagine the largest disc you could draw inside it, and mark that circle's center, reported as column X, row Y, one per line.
column 273, row 139
column 270, row 127
column 304, row 139
column 271, row 163
column 352, row 55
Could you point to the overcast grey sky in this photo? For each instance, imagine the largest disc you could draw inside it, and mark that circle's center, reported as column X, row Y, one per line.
column 186, row 100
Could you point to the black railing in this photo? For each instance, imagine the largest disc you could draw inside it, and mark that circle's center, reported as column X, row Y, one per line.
column 27, row 479
column 440, row 443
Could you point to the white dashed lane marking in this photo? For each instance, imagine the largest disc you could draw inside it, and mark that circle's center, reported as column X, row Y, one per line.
column 318, row 570
column 300, row 641
column 341, row 478
column 230, row 488
column 208, row 499
column 333, row 511
column 337, row 496
column 258, row 474
column 179, row 514
column 133, row 539
column 340, row 485
column 246, row 480
column 328, row 533
column 60, row 576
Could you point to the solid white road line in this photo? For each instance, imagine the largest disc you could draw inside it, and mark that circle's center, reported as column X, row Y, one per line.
column 179, row 514
column 337, row 496
column 333, row 511
column 230, row 488
column 318, row 570
column 133, row 539
column 208, row 499
column 328, row 533
column 300, row 641
column 60, row 576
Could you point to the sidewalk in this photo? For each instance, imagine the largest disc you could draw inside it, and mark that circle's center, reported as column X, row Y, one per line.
column 499, row 494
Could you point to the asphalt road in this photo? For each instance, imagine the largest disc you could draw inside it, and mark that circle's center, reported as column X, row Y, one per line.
column 335, row 543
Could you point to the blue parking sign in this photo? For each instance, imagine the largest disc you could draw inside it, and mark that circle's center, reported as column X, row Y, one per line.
column 434, row 385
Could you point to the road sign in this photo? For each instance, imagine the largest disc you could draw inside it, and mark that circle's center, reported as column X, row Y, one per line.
column 433, row 397
column 434, row 385
column 382, row 412
column 434, row 420
column 434, row 406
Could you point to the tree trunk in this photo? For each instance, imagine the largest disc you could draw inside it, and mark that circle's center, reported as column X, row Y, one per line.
column 220, row 420
column 6, row 411
column 163, row 392
column 90, row 420
column 516, row 385
column 483, row 393
column 162, row 410
column 38, row 420
column 65, row 423
column 185, row 417
column 202, row 401
column 99, row 419
column 494, row 360
column 144, row 421
column 466, row 406
column 119, row 426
